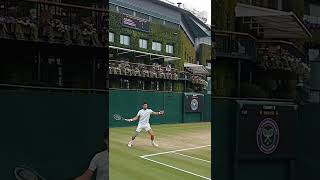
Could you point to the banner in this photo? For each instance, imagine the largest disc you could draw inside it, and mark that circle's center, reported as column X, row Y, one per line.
column 135, row 23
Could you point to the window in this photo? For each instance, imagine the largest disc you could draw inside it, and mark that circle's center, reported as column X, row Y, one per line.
column 124, row 40
column 143, row 43
column 169, row 49
column 111, row 37
column 156, row 46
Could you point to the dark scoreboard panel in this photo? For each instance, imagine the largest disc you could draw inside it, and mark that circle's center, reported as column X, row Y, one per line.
column 267, row 129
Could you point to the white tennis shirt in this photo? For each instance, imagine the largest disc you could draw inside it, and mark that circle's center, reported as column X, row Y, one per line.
column 144, row 116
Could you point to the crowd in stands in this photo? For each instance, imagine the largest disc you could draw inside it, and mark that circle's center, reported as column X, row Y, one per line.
column 155, row 71
column 276, row 58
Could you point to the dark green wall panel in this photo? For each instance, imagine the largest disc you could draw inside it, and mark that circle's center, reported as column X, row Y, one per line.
column 57, row 134
column 223, row 138
column 307, row 163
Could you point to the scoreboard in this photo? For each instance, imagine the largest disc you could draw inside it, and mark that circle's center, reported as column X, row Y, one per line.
column 266, row 128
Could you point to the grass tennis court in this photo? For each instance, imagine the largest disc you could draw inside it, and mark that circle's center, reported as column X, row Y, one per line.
column 184, row 152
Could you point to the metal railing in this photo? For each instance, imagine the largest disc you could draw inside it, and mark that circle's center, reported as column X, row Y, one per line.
column 142, row 70
column 39, row 20
column 235, row 45
column 16, row 87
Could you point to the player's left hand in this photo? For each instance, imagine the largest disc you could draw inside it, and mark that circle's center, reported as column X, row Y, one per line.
column 161, row 112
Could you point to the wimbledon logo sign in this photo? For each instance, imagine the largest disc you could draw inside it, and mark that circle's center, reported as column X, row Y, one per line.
column 194, row 104
column 267, row 136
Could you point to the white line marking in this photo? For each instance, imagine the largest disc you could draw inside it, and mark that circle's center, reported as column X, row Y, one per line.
column 175, row 151
column 193, row 157
column 175, row 168
column 179, row 150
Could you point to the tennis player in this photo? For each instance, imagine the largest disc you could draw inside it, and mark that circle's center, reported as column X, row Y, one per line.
column 98, row 165
column 144, row 116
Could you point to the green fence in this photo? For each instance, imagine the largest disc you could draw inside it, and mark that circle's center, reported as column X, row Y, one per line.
column 207, row 108
column 55, row 133
column 128, row 102
column 223, row 138
column 298, row 128
column 308, row 148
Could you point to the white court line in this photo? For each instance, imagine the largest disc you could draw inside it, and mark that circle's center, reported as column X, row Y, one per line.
column 193, row 157
column 179, row 150
column 175, row 168
column 175, row 151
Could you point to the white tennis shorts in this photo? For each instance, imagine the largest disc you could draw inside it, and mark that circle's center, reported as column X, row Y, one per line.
column 146, row 127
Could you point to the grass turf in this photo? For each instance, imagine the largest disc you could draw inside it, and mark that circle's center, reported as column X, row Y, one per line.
column 126, row 163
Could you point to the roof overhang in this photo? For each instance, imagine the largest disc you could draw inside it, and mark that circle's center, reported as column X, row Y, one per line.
column 196, row 68
column 138, row 54
column 272, row 23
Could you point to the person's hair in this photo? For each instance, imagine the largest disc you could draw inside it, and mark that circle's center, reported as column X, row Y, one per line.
column 145, row 102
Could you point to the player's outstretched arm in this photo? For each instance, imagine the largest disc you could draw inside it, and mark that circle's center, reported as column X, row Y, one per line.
column 85, row 176
column 133, row 119
column 158, row 113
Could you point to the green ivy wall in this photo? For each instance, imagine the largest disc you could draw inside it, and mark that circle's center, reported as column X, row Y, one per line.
column 223, row 14
column 182, row 47
column 186, row 49
column 204, row 53
column 158, row 33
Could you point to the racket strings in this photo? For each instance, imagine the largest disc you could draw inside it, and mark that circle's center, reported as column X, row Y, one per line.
column 22, row 173
column 117, row 117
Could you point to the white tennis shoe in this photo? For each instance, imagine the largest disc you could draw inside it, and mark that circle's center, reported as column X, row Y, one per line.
column 130, row 144
column 154, row 144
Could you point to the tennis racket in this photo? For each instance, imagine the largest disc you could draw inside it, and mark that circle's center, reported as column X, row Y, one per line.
column 117, row 117
column 26, row 173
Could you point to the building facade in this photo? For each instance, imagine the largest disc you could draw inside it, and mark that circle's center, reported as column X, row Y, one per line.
column 261, row 48
column 165, row 42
